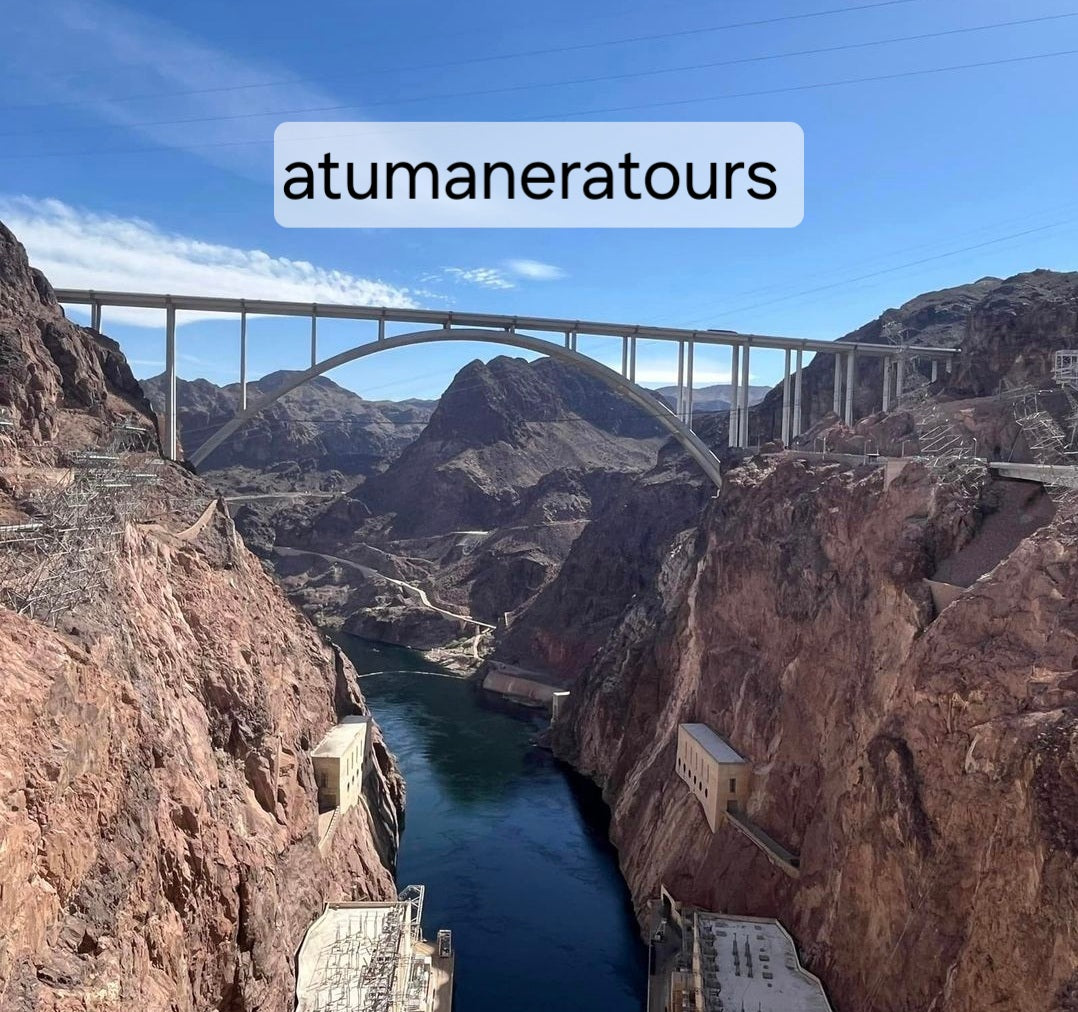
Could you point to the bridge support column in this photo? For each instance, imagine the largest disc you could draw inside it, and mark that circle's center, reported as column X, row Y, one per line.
column 314, row 336
column 786, row 392
column 170, row 448
column 625, row 357
column 632, row 359
column 797, row 397
column 900, row 378
column 836, row 405
column 735, row 397
column 935, row 370
column 887, row 384
column 851, row 375
column 688, row 385
column 681, row 380
column 243, row 360
column 745, row 397
column 95, row 316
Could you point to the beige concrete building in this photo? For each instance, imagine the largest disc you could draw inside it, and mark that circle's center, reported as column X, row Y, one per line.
column 338, row 763
column 361, row 956
column 719, row 777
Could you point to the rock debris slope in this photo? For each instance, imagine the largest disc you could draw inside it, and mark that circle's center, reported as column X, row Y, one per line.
column 158, row 844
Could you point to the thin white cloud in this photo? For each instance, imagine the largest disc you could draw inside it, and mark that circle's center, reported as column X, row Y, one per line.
column 499, row 278
column 80, row 249
column 118, row 52
column 535, row 270
column 483, row 277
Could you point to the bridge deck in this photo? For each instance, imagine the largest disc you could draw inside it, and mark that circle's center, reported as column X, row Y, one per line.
column 489, row 321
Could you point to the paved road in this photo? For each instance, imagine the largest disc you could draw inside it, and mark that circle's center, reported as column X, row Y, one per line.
column 373, row 574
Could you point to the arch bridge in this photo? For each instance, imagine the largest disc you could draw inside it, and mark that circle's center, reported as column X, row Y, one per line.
column 521, row 332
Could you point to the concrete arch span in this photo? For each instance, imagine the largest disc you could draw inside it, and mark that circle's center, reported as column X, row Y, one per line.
column 690, row 442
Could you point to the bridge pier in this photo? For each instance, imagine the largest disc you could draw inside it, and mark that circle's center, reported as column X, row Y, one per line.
column 744, row 436
column 314, row 335
column 836, row 405
column 632, row 359
column 243, row 360
column 887, row 384
column 735, row 396
column 785, row 433
column 900, row 378
column 95, row 316
column 851, row 374
column 171, row 443
column 688, row 385
column 797, row 398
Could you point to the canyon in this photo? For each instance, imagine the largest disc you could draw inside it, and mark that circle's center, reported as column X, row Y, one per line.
column 920, row 761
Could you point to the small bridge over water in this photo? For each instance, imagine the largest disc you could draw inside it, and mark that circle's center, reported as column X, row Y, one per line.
column 523, row 332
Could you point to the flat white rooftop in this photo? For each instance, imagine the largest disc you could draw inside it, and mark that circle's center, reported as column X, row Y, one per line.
column 339, row 738
column 353, row 952
column 715, row 746
column 767, row 978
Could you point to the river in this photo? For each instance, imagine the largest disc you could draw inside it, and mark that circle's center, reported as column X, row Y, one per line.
column 511, row 845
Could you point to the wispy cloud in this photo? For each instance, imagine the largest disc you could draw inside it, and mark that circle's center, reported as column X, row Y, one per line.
column 119, row 52
column 535, row 270
column 81, row 249
column 483, row 277
column 504, row 277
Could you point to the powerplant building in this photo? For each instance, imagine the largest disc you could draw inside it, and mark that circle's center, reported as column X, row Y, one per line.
column 338, row 763
column 371, row 957
column 707, row 962
column 719, row 777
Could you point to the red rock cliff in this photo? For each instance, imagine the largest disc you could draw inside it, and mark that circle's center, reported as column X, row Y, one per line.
column 925, row 769
column 158, row 825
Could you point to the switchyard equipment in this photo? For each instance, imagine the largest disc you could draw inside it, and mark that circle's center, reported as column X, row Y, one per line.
column 368, row 957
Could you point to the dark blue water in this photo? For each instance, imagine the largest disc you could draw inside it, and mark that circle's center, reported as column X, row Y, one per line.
column 511, row 845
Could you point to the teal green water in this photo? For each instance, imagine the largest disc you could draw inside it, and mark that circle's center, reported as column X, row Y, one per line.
column 511, row 845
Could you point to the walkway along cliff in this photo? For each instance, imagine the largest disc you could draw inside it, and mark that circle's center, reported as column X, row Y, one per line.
column 160, row 812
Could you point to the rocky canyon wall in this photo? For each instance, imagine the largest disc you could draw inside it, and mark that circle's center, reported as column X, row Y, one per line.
column 924, row 768
column 158, row 825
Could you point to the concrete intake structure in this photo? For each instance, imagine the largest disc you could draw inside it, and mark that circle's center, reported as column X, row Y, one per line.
column 338, row 763
column 719, row 777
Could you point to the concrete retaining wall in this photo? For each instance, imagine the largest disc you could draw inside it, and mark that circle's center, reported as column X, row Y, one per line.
column 525, row 689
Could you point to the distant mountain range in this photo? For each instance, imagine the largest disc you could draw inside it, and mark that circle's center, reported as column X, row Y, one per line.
column 320, row 425
column 711, row 398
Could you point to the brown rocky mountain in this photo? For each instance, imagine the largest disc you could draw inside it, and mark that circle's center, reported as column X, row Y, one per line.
column 158, row 832
column 312, row 431
column 479, row 511
column 1007, row 331
column 922, row 765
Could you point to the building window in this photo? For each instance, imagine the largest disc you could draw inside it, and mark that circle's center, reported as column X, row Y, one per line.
column 733, row 785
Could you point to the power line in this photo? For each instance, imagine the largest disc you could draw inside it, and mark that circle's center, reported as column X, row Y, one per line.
column 625, row 75
column 813, row 87
column 553, row 50
column 168, row 148
column 876, row 258
column 899, row 267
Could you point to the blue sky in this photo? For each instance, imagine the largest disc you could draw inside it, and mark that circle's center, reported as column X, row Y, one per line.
column 136, row 153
